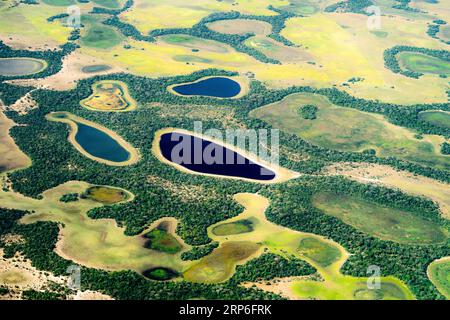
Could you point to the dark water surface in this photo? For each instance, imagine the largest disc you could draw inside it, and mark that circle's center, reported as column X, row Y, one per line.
column 230, row 164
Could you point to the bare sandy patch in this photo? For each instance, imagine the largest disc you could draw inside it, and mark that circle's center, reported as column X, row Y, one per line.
column 70, row 74
column 21, row 42
column 11, row 156
column 17, row 274
column 403, row 180
column 90, row 295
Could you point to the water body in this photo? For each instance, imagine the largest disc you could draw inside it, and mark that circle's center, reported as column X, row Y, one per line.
column 218, row 87
column 228, row 163
column 99, row 144
column 21, row 66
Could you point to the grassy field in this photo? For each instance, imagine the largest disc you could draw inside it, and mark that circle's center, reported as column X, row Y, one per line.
column 438, row 118
column 93, row 243
column 326, row 256
column 402, row 180
column 439, row 274
column 422, row 63
column 379, row 221
column 220, row 264
column 236, row 227
column 158, row 14
column 107, row 195
column 27, row 24
column 12, row 157
column 109, row 96
column 351, row 130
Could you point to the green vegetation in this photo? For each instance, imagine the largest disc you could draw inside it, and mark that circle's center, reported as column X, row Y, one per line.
column 236, row 227
column 417, row 61
column 445, row 148
column 101, row 37
column 437, row 118
column 383, row 222
column 318, row 251
column 196, row 253
column 420, row 63
column 347, row 129
column 269, row 266
column 201, row 30
column 106, row 195
column 439, row 272
column 356, row 6
column 308, row 112
column 160, row 274
column 161, row 240
column 70, row 197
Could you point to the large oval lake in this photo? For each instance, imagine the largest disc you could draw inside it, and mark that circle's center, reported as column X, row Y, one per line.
column 99, row 144
column 228, row 162
column 21, row 66
column 217, row 87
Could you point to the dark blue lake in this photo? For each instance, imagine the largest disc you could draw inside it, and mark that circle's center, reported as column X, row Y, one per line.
column 99, row 144
column 189, row 152
column 218, row 87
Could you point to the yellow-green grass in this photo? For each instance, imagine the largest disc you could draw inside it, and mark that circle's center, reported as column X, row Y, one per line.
column 147, row 16
column 422, row 63
column 281, row 174
column 92, row 243
column 438, row 118
column 379, row 221
column 407, row 182
column 21, row 66
column 72, row 120
column 321, row 252
column 29, row 24
column 348, row 288
column 340, row 44
column 278, row 51
column 325, row 255
column 439, row 274
column 236, row 227
column 348, row 129
column 243, row 82
column 109, row 95
column 100, row 37
column 220, row 264
column 107, row 195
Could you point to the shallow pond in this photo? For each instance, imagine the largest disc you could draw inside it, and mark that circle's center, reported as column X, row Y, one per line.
column 21, row 66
